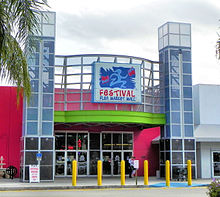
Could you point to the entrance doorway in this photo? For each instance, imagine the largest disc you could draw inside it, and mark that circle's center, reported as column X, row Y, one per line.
column 216, row 164
column 88, row 148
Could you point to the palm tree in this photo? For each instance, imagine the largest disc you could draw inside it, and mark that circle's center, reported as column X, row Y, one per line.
column 18, row 20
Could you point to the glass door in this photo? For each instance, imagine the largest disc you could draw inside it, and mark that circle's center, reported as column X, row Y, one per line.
column 127, row 155
column 116, row 163
column 82, row 163
column 216, row 164
column 70, row 157
column 60, row 163
column 107, row 163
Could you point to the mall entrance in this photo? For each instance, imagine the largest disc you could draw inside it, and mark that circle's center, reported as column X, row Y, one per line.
column 87, row 148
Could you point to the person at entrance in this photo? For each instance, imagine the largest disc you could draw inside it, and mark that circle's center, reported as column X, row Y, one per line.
column 131, row 167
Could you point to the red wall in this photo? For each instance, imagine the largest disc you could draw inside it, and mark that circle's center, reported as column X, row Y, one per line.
column 10, row 126
column 145, row 150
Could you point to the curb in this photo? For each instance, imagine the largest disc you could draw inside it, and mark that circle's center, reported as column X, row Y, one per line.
column 70, row 187
column 91, row 187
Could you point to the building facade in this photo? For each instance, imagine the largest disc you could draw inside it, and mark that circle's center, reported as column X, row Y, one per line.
column 108, row 107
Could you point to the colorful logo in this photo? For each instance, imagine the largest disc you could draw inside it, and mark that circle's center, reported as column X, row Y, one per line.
column 117, row 77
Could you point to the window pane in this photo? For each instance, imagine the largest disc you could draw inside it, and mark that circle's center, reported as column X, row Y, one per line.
column 174, row 28
column 175, row 92
column 175, row 117
column 33, row 72
column 47, row 128
column 48, row 87
column 127, row 141
column 176, row 131
column 177, row 158
column 48, row 72
column 174, row 40
column 82, row 141
column 32, row 128
column 174, row 57
column 175, row 104
column 47, row 100
column 185, row 29
column 32, row 114
column 71, row 141
column 106, row 141
column 34, row 100
column 188, row 130
column 187, row 92
column 187, row 80
column 48, row 46
column 48, row 114
column 34, row 85
column 175, row 79
column 186, row 56
column 48, row 60
column 189, row 144
column 187, row 105
column 94, row 141
column 187, row 68
column 190, row 156
column 117, row 141
column 188, row 118
column 33, row 59
column 185, row 40
column 31, row 143
column 48, row 30
column 177, row 144
column 46, row 143
column 60, row 141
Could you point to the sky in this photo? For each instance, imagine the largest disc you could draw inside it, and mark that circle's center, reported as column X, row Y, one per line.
column 129, row 27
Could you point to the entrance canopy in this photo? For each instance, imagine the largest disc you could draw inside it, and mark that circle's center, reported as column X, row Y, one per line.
column 92, row 118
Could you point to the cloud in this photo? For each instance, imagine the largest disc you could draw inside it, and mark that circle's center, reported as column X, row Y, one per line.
column 130, row 27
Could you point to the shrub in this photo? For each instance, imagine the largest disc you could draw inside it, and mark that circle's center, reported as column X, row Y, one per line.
column 214, row 188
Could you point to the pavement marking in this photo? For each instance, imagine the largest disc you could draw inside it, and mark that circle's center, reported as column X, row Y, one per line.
column 149, row 188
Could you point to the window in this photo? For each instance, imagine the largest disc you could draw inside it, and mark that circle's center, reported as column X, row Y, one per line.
column 188, row 130
column 187, row 92
column 176, row 117
column 188, row 118
column 48, row 114
column 32, row 114
column 187, row 80
column 187, row 105
column 176, row 131
column 47, row 128
column 175, row 104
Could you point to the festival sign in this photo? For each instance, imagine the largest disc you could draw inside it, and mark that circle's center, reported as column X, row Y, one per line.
column 116, row 83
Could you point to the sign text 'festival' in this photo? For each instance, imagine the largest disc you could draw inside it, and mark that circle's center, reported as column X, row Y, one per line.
column 116, row 83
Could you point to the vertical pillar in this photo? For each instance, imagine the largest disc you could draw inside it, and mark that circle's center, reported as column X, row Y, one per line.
column 74, row 172
column 168, row 173
column 146, row 172
column 38, row 118
column 189, row 172
column 177, row 142
column 122, row 172
column 99, row 173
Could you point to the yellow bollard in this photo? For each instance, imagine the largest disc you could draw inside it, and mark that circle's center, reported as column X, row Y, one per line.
column 167, row 173
column 189, row 172
column 74, row 172
column 146, row 172
column 122, row 172
column 99, row 173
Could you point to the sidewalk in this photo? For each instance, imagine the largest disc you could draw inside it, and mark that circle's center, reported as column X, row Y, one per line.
column 91, row 183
